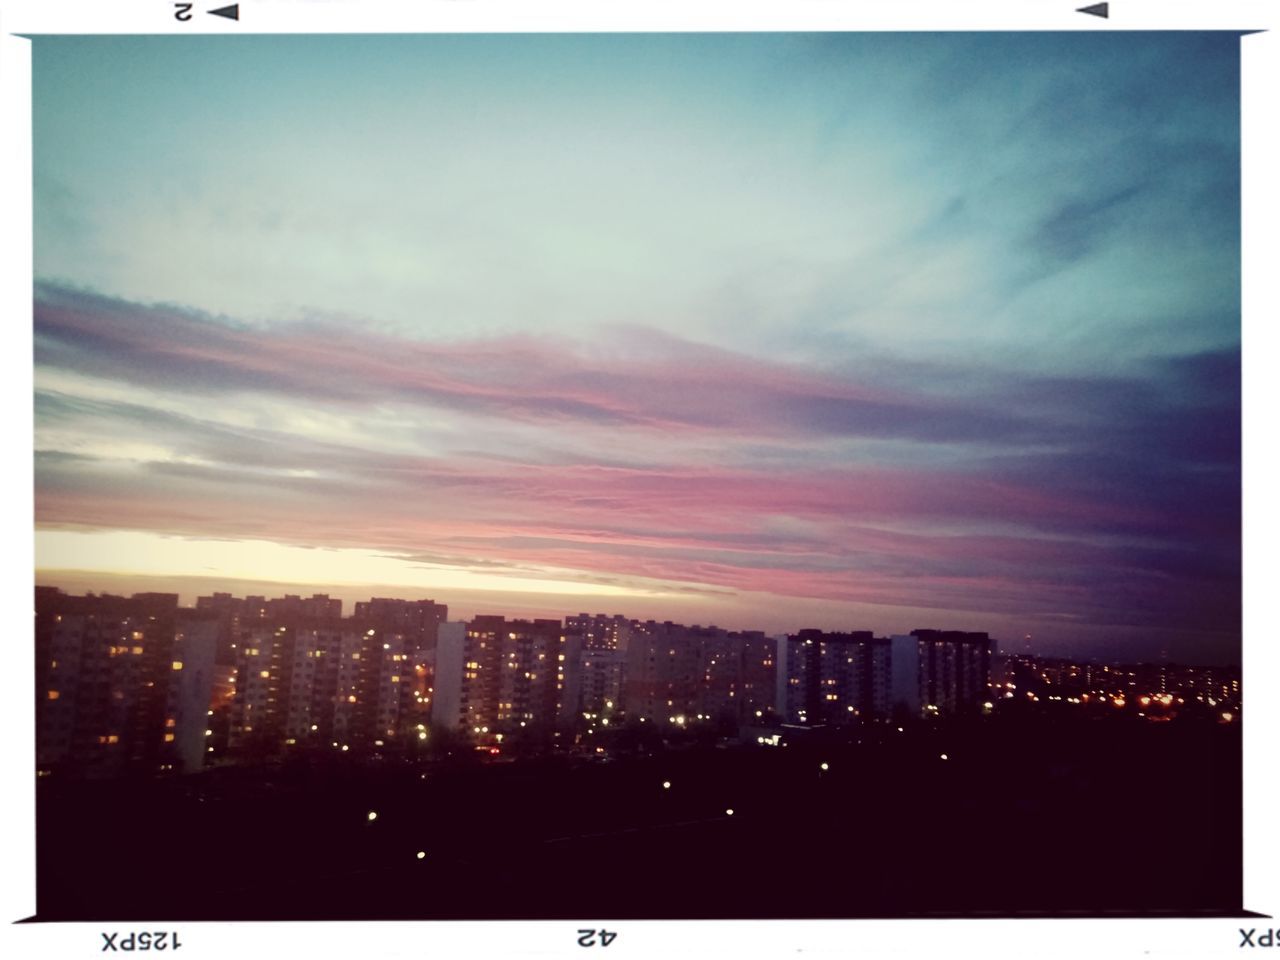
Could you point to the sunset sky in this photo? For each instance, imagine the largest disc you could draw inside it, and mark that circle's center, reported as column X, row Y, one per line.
column 772, row 331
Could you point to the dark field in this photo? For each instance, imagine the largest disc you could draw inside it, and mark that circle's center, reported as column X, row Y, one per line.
column 1026, row 817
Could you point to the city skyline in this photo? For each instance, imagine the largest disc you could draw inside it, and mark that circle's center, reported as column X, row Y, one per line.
column 350, row 600
column 772, row 327
column 398, row 748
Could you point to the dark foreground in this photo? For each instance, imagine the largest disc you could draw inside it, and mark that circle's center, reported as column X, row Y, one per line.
column 1088, row 818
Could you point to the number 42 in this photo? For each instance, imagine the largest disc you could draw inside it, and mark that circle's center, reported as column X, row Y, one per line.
column 587, row 938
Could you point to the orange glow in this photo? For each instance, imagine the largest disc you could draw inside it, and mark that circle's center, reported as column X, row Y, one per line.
column 1118, row 701
column 1145, row 701
column 53, row 694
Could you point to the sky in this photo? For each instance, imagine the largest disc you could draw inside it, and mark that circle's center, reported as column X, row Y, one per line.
column 855, row 331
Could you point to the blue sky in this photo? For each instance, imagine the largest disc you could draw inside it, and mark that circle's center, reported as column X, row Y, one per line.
column 894, row 330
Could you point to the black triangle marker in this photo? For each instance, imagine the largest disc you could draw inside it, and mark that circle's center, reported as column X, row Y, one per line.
column 1097, row 10
column 233, row 12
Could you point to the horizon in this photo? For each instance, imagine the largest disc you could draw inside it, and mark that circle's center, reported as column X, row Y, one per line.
column 783, row 328
column 188, row 593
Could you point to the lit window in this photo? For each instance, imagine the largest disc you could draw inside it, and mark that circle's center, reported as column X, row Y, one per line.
column 168, row 738
column 53, row 694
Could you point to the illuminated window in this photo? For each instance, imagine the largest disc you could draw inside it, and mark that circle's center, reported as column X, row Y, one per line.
column 168, row 738
column 53, row 694
column 177, row 664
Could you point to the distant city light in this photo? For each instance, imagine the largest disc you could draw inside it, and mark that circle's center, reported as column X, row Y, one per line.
column 372, row 815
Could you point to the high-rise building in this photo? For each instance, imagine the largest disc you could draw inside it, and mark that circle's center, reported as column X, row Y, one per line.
column 190, row 691
column 451, row 654
column 955, row 671
column 663, row 680
column 317, row 607
column 122, row 684
column 504, row 675
column 837, row 677
column 407, row 616
column 600, row 632
column 678, row 674
column 904, row 659
column 325, row 682
column 598, row 645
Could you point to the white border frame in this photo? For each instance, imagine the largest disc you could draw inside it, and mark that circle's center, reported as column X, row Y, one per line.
column 1260, row 72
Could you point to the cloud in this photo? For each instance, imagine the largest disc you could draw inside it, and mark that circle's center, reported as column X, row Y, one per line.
column 645, row 458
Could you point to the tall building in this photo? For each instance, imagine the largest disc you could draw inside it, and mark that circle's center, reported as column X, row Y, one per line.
column 229, row 611
column 123, row 685
column 407, row 616
column 190, row 691
column 451, row 654
column 325, row 683
column 600, row 632
column 663, row 679
column 837, row 677
column 955, row 671
column 904, row 659
column 598, row 645
column 738, row 674
column 317, row 607
column 678, row 674
column 504, row 675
